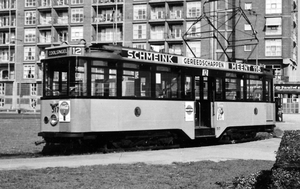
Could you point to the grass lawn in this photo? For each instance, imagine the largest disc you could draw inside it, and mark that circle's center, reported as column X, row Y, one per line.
column 198, row 175
column 17, row 137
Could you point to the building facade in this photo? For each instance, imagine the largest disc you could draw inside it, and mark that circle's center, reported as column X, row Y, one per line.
column 211, row 30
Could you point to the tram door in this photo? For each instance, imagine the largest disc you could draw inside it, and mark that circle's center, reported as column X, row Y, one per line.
column 203, row 98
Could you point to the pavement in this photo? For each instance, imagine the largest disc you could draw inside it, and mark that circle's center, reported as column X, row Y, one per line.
column 19, row 116
column 256, row 150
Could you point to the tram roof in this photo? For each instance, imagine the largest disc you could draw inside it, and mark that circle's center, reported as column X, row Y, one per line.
column 139, row 55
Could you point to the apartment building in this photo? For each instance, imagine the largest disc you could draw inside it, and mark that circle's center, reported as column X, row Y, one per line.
column 27, row 27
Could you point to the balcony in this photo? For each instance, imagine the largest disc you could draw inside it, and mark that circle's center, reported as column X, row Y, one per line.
column 158, row 15
column 44, row 39
column 45, row 4
column 60, row 3
column 108, row 18
column 62, row 21
column 175, row 14
column 107, row 1
column 45, row 21
column 108, row 36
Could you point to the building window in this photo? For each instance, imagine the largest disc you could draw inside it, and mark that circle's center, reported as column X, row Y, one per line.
column 139, row 12
column 139, row 45
column 2, row 102
column 175, row 32
column 74, row 2
column 46, row 3
column 248, row 6
column 45, row 37
column 45, row 18
column 273, row 47
column 157, row 48
column 77, row 15
column 4, row 55
column 273, row 6
column 2, row 88
column 175, row 49
column 193, row 9
column 194, row 29
column 247, row 47
column 30, row 35
column 195, row 47
column 139, row 31
column 33, row 89
column 30, row 17
column 30, row 3
column 247, row 27
column 157, row 32
column 110, row 34
column 273, row 26
column 176, row 12
column 158, row 13
column 33, row 103
column 29, row 53
column 62, row 35
column 76, row 33
column 28, row 71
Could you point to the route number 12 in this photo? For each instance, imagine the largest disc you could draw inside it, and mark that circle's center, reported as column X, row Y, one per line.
column 76, row 50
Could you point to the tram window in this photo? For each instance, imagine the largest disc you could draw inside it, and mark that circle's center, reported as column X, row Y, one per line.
column 188, row 87
column 205, row 88
column 254, row 90
column 231, row 88
column 55, row 86
column 78, row 83
column 219, row 89
column 268, row 91
column 168, row 85
column 234, row 88
column 56, row 77
column 136, row 83
column 104, row 82
column 197, row 87
column 64, row 83
column 130, row 65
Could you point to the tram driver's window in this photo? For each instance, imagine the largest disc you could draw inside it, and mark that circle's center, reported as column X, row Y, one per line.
column 78, row 85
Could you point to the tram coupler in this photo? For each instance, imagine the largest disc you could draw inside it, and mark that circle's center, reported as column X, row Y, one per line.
column 39, row 142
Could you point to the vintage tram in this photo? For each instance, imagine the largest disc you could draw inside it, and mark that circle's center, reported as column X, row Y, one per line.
column 101, row 93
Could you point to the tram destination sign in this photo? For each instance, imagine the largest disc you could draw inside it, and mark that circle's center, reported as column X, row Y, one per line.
column 57, row 52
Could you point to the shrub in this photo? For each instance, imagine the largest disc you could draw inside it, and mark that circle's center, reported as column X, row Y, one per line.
column 285, row 172
column 288, row 154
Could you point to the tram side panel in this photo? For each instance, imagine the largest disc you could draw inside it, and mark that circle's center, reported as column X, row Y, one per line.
column 139, row 115
column 238, row 114
column 96, row 115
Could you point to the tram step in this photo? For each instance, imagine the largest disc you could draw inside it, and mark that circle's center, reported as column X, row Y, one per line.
column 201, row 131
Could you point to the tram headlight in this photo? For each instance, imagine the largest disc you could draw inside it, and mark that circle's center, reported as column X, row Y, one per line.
column 46, row 120
column 53, row 120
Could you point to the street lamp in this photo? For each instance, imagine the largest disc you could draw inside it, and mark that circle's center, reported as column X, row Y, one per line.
column 13, row 39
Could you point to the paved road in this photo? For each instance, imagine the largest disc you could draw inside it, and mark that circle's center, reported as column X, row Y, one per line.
column 257, row 150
